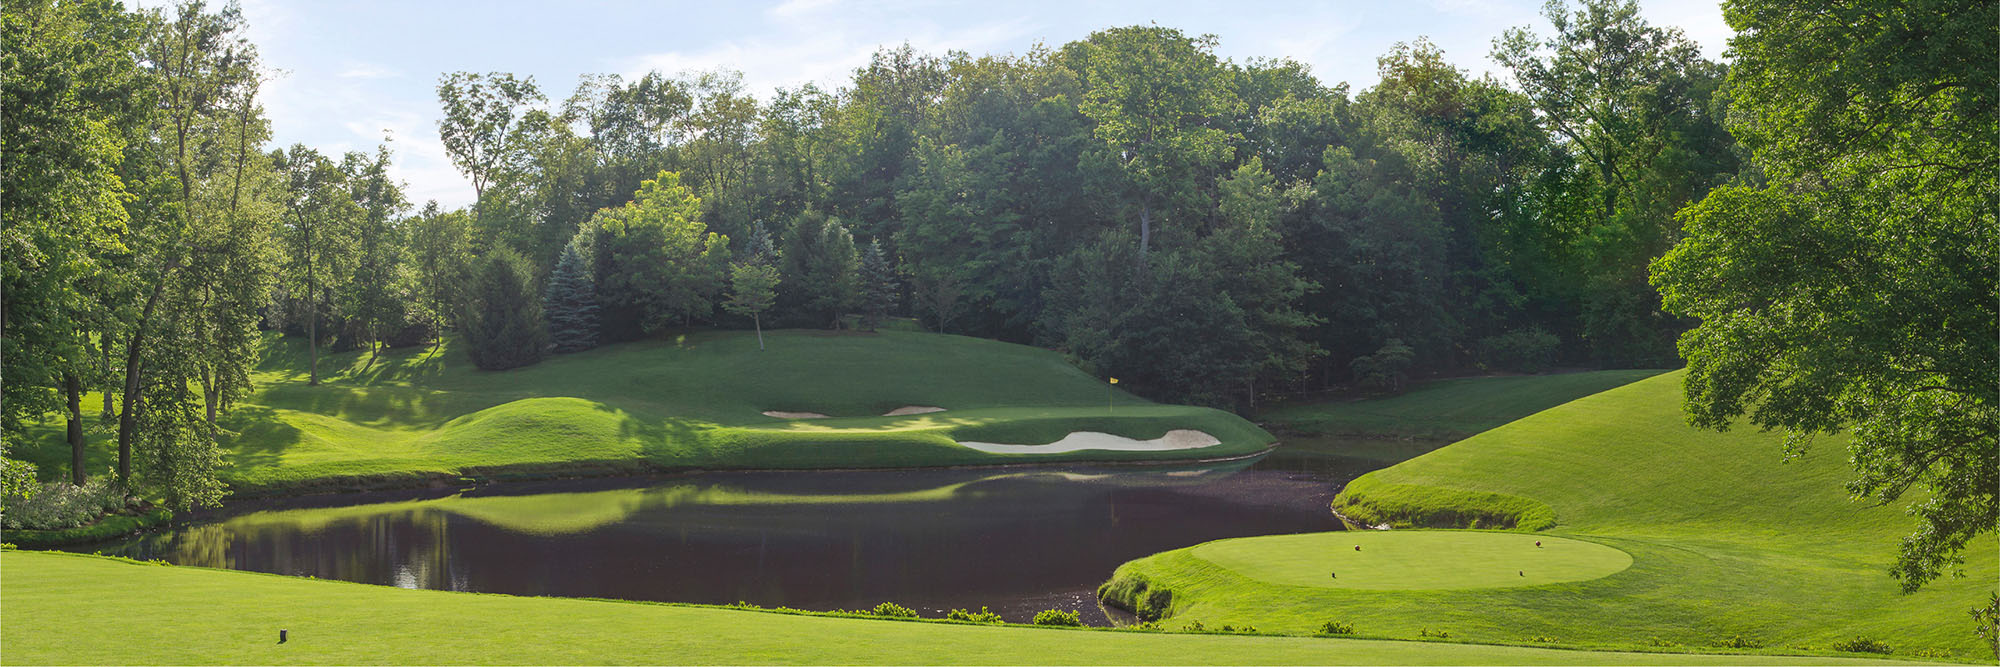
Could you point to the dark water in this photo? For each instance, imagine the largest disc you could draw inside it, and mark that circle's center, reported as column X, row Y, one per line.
column 1016, row 540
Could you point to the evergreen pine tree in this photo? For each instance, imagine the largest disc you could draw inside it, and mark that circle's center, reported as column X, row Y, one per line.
column 878, row 287
column 503, row 319
column 571, row 302
column 757, row 247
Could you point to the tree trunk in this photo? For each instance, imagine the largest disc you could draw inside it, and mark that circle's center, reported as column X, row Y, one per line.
column 312, row 327
column 209, row 394
column 759, row 322
column 1145, row 229
column 104, row 352
column 73, row 392
column 128, row 425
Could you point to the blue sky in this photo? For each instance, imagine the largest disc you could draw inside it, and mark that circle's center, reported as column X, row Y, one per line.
column 349, row 73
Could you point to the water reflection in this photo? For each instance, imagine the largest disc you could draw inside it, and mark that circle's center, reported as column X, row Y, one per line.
column 1017, row 541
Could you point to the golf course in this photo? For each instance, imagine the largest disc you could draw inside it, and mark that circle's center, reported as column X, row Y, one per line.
column 419, row 414
column 1629, row 528
column 1127, row 332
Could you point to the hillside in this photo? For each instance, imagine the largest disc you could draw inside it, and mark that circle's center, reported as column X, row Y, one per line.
column 1727, row 540
column 696, row 401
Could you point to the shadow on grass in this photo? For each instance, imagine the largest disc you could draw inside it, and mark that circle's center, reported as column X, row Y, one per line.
column 261, row 437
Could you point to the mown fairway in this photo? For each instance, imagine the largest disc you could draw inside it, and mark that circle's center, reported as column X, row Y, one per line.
column 694, row 401
column 1727, row 540
column 184, row 615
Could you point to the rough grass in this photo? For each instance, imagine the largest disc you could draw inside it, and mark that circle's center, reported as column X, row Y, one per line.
column 1727, row 540
column 695, row 401
column 1447, row 409
column 200, row 616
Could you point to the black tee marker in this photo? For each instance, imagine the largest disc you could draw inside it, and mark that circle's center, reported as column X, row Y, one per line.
column 281, row 636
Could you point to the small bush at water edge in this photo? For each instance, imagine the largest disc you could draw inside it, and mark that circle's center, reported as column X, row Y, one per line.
column 1336, row 628
column 893, row 610
column 1059, row 617
column 984, row 615
column 1861, row 645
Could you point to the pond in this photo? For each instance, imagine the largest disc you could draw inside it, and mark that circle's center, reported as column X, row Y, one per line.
column 1017, row 540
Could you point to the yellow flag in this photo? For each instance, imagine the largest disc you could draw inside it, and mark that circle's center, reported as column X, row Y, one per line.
column 1114, row 380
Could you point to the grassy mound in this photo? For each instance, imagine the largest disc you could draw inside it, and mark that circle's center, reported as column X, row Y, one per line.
column 1730, row 543
column 200, row 616
column 693, row 402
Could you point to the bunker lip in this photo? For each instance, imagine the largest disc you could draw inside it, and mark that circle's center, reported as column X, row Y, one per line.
column 1076, row 441
column 781, row 414
column 912, row 410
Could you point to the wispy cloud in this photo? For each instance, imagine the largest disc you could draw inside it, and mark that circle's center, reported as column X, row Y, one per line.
column 366, row 70
column 824, row 41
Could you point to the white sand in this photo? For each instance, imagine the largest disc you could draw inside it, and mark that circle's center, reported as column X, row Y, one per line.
column 1082, row 440
column 793, row 415
column 912, row 410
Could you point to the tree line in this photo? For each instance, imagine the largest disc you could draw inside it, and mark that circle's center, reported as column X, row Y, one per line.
column 1210, row 231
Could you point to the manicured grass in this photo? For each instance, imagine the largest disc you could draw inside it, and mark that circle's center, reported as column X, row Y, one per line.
column 72, row 609
column 1413, row 560
column 1447, row 409
column 695, row 401
column 1727, row 540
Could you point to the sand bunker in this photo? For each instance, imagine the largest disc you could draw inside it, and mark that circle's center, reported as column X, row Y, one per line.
column 781, row 414
column 912, row 410
column 1081, row 440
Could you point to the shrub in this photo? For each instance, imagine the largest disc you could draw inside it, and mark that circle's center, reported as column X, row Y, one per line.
column 60, row 505
column 1861, row 645
column 1194, row 626
column 503, row 317
column 1336, row 628
column 984, row 615
column 1740, row 641
column 1427, row 632
column 893, row 610
column 1530, row 350
column 1155, row 604
column 1544, row 639
column 1386, row 368
column 1058, row 617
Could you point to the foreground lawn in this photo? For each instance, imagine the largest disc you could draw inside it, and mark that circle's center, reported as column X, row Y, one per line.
column 1728, row 543
column 56, row 613
column 696, row 401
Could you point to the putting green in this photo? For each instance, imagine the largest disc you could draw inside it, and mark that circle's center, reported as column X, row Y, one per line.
column 1414, row 559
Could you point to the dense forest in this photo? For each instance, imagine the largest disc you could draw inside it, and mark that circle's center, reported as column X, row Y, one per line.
column 1209, row 231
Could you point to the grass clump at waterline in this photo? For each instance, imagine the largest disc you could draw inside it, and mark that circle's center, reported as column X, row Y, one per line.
column 1729, row 544
column 695, row 401
column 202, row 616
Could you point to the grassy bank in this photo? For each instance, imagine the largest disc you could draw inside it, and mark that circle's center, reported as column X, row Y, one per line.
column 1446, row 409
column 696, row 401
column 201, row 616
column 1729, row 543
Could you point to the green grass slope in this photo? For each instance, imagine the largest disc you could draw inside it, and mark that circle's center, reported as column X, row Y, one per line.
column 1447, row 409
column 57, row 613
column 1727, row 540
column 692, row 402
